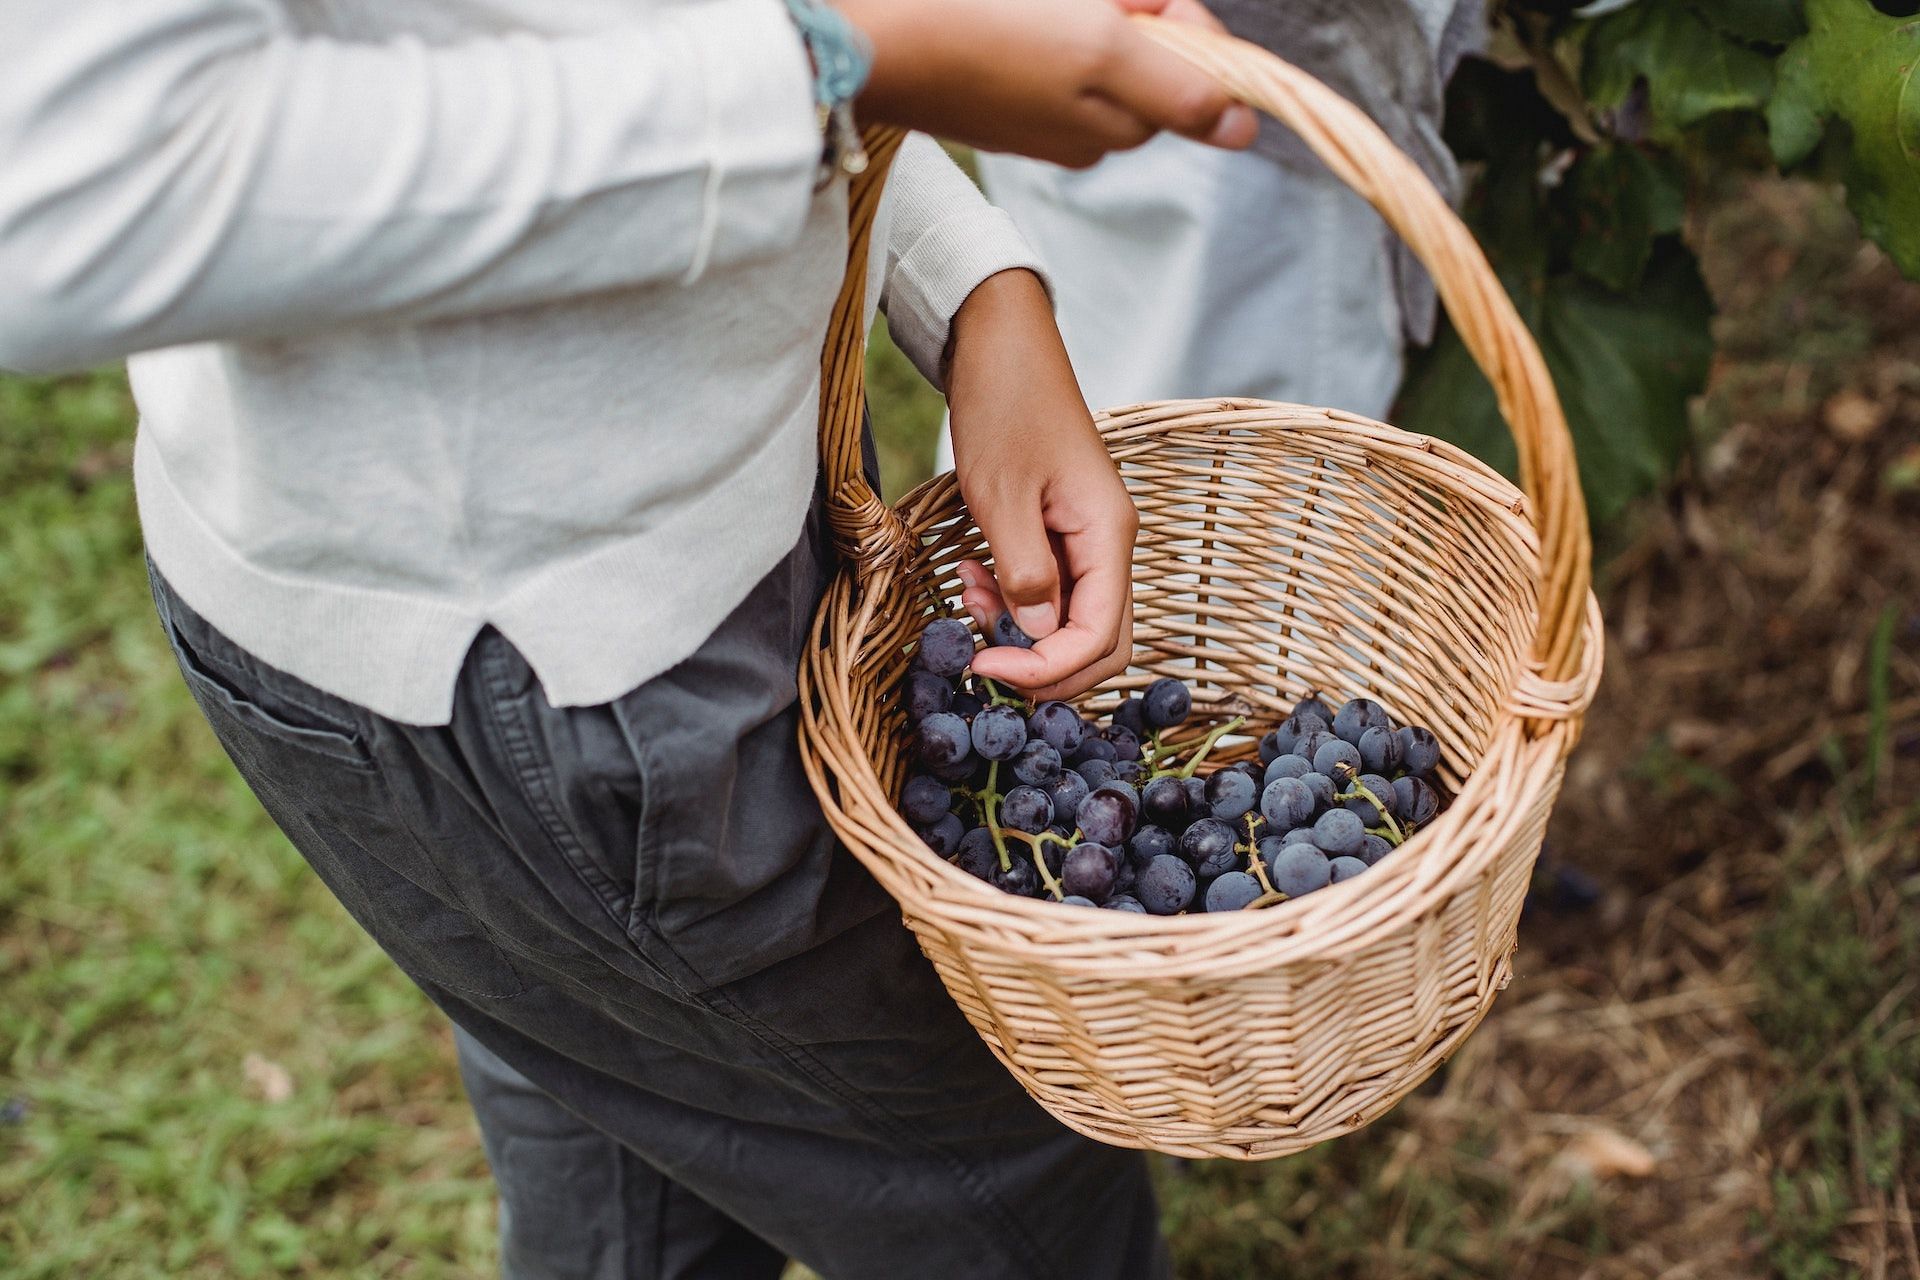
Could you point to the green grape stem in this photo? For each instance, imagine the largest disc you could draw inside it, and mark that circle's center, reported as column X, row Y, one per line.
column 1253, row 857
column 999, row 699
column 1392, row 828
column 988, row 800
column 1034, row 845
column 1207, row 744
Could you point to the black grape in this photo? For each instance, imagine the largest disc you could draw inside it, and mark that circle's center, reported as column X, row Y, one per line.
column 1026, row 809
column 1038, row 764
column 1166, row 886
column 958, row 772
column 1322, row 788
column 977, row 856
column 1075, row 900
column 1056, row 724
column 1379, row 750
column 924, row 799
column 1121, row 902
column 1268, row 848
column 1131, row 716
column 1299, row 835
column 1126, row 746
column 1419, row 750
column 1197, row 806
column 946, row 647
column 1232, row 891
column 1164, row 803
column 1288, row 766
column 1374, row 848
column 926, row 694
column 1287, row 802
column 1230, row 793
column 1096, row 772
column 1131, row 772
column 1415, row 800
column 1148, row 843
column 1088, row 871
column 1344, row 868
column 1357, row 716
column 999, row 733
column 1206, row 840
column 1338, row 831
column 1311, row 742
column 1299, row 869
column 943, row 739
column 1093, row 747
column 1295, row 727
column 1020, row 879
column 1007, row 632
column 944, row 836
column 1108, row 814
column 1333, row 754
column 966, row 705
column 1314, row 705
column 1166, row 703
column 1066, row 792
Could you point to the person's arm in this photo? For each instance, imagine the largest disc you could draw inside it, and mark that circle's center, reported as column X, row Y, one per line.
column 175, row 170
column 1038, row 480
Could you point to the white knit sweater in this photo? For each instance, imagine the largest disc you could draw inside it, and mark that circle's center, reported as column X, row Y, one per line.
column 453, row 312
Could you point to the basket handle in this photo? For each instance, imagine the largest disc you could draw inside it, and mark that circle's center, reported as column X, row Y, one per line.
column 1363, row 157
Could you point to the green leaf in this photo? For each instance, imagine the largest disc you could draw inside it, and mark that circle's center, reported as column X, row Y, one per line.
column 1761, row 21
column 1625, row 367
column 1795, row 112
column 1623, row 197
column 1857, row 65
column 1692, row 69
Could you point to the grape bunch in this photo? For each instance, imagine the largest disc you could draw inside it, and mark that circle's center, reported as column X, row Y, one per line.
column 1043, row 803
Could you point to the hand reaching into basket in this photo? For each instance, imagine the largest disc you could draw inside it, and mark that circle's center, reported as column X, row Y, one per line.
column 1039, row 482
column 1060, row 80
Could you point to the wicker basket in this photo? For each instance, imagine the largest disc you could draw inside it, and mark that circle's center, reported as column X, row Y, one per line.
column 1281, row 549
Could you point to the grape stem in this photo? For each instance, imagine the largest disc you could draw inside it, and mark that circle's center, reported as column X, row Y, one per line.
column 1207, row 744
column 1253, row 857
column 1359, row 792
column 998, row 699
column 1034, row 843
column 989, row 799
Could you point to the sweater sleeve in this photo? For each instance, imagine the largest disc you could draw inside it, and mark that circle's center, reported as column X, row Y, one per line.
column 943, row 240
column 185, row 170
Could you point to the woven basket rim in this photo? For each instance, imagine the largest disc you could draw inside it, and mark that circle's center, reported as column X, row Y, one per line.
column 1467, row 829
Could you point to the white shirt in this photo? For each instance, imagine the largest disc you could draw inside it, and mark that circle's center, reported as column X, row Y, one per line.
column 456, row 312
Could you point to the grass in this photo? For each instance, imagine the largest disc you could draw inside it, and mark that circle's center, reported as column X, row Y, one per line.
column 207, row 1071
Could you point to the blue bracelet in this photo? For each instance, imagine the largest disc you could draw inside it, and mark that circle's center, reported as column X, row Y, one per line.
column 842, row 60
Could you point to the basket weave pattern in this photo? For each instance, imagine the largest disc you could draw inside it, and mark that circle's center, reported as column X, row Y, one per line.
column 1281, row 549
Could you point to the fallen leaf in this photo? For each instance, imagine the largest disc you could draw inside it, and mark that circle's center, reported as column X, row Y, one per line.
column 1603, row 1153
column 267, row 1078
column 1853, row 417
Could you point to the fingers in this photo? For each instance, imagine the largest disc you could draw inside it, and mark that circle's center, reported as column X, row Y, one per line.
column 1191, row 12
column 1024, row 567
column 1167, row 92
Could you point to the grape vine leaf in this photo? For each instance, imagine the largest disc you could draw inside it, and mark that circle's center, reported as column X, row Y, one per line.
column 1858, row 65
column 1614, row 299
column 1762, row 21
column 1691, row 67
column 1625, row 367
column 1623, row 198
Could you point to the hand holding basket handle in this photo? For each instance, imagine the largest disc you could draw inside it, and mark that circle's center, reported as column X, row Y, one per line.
column 1282, row 549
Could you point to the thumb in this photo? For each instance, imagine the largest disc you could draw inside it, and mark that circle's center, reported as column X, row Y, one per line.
column 1024, row 564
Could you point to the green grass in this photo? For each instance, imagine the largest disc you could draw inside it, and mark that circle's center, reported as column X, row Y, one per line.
column 156, row 933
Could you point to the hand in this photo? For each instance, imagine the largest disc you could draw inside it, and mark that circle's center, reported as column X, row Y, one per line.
column 1060, row 80
column 1038, row 481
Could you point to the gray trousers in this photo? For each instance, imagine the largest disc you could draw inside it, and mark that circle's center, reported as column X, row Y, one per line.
column 696, row 1035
